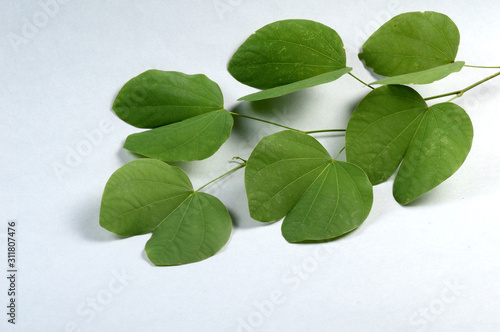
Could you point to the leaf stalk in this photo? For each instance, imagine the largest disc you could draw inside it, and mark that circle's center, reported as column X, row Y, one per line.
column 359, row 80
column 243, row 164
column 459, row 93
column 286, row 127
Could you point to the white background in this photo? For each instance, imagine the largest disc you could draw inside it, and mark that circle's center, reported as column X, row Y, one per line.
column 432, row 266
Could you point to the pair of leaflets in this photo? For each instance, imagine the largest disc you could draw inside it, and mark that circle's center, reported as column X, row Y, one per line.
column 291, row 55
column 289, row 174
column 393, row 126
column 144, row 196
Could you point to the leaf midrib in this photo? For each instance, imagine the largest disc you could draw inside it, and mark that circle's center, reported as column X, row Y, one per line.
column 291, row 183
column 301, row 222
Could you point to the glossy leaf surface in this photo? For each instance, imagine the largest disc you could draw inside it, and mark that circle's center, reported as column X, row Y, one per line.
column 147, row 195
column 411, row 42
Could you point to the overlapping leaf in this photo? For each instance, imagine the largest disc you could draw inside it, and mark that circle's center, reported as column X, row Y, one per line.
column 393, row 124
column 381, row 128
column 284, row 53
column 147, row 195
column 296, row 86
column 439, row 147
column 413, row 42
column 291, row 174
column 425, row 76
column 186, row 110
column 195, row 138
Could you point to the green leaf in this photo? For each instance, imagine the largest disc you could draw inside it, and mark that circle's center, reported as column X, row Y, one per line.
column 147, row 195
column 139, row 194
column 280, row 169
column 156, row 98
column 195, row 138
column 393, row 124
column 291, row 174
column 336, row 203
column 286, row 52
column 411, row 42
column 439, row 147
column 425, row 76
column 381, row 128
column 196, row 230
column 186, row 110
column 296, row 86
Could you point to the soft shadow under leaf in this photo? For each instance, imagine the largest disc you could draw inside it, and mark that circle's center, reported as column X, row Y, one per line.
column 148, row 195
column 393, row 124
column 291, row 174
column 425, row 76
column 291, row 54
column 411, row 42
column 296, row 86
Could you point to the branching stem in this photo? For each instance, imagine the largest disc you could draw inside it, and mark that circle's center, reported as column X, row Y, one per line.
column 338, row 154
column 286, row 127
column 481, row 66
column 324, row 131
column 359, row 80
column 459, row 93
column 265, row 121
column 243, row 164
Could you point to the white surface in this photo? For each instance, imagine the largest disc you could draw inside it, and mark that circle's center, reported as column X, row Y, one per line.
column 439, row 256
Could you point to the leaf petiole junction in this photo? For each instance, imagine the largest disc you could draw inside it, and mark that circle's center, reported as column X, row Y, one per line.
column 459, row 93
column 487, row 67
column 362, row 82
column 286, row 127
column 243, row 164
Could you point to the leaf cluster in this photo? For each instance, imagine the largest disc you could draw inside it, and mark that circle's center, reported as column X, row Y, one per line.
column 289, row 174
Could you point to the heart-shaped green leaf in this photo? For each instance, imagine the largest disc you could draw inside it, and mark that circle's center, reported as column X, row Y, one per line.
column 147, row 195
column 393, row 124
column 425, row 76
column 381, row 128
column 286, row 52
column 440, row 146
column 337, row 202
column 411, row 42
column 195, row 138
column 186, row 110
column 291, row 174
column 296, row 86
column 156, row 98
